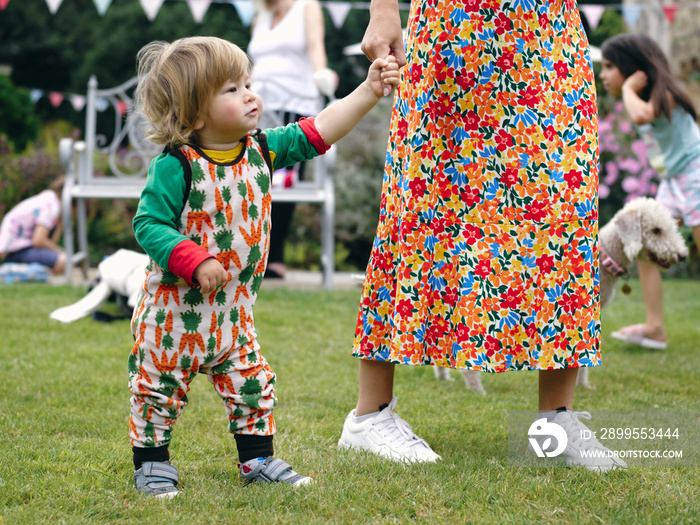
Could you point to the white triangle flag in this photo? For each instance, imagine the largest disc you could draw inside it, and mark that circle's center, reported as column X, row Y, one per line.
column 77, row 101
column 198, row 8
column 54, row 5
column 151, row 8
column 339, row 12
column 102, row 6
column 593, row 13
column 245, row 10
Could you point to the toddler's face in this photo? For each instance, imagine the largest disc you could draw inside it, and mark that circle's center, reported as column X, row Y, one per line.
column 612, row 78
column 235, row 109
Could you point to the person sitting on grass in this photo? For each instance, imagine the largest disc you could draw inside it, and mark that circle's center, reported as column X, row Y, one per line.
column 204, row 220
column 30, row 231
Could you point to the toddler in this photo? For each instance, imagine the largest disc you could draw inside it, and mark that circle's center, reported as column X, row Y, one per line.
column 204, row 221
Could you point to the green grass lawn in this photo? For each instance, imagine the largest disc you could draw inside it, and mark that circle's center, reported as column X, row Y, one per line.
column 65, row 456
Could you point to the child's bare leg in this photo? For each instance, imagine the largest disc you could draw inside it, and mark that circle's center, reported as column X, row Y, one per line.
column 652, row 289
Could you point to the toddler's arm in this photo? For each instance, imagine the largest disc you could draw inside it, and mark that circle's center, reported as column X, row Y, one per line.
column 338, row 119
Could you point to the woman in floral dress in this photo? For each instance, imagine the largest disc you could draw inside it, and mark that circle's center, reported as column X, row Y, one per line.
column 486, row 250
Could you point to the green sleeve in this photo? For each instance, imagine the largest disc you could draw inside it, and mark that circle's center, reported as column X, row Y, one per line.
column 157, row 220
column 289, row 145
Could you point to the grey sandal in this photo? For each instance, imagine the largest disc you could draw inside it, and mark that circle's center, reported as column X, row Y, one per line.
column 157, row 478
column 271, row 470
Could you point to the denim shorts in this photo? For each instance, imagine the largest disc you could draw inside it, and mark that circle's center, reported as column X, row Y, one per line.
column 681, row 194
column 44, row 256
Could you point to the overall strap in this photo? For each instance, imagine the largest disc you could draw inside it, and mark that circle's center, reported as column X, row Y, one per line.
column 262, row 139
column 186, row 167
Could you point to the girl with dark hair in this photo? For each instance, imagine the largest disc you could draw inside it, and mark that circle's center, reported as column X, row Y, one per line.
column 635, row 68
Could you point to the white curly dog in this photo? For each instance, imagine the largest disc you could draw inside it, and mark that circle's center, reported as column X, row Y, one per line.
column 642, row 229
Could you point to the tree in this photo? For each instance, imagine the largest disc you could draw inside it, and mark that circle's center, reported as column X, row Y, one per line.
column 17, row 118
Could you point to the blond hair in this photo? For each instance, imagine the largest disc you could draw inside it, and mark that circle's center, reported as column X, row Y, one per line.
column 177, row 81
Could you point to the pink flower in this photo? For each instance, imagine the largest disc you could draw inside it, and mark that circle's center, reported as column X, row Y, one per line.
column 625, row 127
column 604, row 126
column 603, row 191
column 612, row 172
column 630, row 184
column 629, row 164
column 639, row 148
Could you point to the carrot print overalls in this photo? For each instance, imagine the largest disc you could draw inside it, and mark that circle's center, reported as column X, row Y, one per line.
column 180, row 332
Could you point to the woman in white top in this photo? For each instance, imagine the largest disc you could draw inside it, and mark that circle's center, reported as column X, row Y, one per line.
column 290, row 73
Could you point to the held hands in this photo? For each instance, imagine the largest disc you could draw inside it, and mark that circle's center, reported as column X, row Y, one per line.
column 383, row 76
column 210, row 275
column 636, row 81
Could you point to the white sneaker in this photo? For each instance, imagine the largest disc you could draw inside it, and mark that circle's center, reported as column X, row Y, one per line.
column 583, row 448
column 386, row 435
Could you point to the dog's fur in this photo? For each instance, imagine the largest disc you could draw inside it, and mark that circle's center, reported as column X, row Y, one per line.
column 643, row 229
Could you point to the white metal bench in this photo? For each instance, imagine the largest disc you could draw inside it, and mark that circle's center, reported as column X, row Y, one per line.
column 129, row 155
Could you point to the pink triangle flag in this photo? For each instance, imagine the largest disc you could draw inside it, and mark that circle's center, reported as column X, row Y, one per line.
column 151, row 8
column 55, row 98
column 593, row 13
column 122, row 107
column 338, row 12
column 670, row 11
column 3, row 4
column 54, row 5
column 198, row 8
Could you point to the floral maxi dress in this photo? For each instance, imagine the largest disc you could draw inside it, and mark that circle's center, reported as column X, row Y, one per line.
column 486, row 250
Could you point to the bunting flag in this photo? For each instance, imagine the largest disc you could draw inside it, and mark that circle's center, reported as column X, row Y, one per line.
column 56, row 98
column 151, row 8
column 593, row 13
column 77, row 101
column 122, row 107
column 631, row 14
column 198, row 8
column 102, row 6
column 54, row 5
column 245, row 10
column 670, row 11
column 339, row 12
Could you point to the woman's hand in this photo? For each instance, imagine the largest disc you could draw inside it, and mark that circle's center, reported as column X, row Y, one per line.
column 210, row 275
column 636, row 81
column 384, row 35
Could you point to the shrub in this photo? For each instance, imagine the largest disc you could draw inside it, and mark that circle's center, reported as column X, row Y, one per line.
column 22, row 176
column 17, row 118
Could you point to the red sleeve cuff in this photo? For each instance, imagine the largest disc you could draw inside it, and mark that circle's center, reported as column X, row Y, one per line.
column 185, row 258
column 308, row 126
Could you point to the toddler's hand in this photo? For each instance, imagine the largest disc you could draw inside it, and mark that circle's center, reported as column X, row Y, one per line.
column 210, row 275
column 383, row 76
